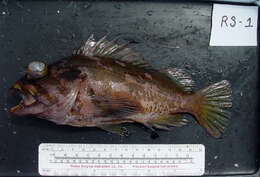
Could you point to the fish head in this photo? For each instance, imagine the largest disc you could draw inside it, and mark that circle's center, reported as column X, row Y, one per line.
column 44, row 94
column 29, row 104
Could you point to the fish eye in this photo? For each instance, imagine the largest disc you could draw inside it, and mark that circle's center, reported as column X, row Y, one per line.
column 36, row 69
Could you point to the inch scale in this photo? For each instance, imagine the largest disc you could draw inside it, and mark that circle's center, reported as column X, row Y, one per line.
column 121, row 159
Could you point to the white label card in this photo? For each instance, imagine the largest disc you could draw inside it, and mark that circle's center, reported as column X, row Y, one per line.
column 234, row 25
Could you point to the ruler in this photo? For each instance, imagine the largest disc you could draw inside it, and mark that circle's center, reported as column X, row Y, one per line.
column 121, row 159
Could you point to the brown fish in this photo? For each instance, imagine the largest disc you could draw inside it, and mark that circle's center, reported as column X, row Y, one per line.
column 105, row 84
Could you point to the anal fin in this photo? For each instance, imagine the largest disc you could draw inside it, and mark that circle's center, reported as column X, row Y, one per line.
column 176, row 120
column 117, row 129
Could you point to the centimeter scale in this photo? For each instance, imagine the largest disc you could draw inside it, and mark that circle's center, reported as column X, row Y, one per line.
column 121, row 159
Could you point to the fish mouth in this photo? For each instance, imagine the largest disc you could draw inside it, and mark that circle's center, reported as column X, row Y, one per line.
column 26, row 95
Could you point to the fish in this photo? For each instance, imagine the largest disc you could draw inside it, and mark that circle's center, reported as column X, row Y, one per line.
column 104, row 84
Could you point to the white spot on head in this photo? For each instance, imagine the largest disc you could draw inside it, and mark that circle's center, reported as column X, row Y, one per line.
column 37, row 66
column 3, row 13
column 58, row 11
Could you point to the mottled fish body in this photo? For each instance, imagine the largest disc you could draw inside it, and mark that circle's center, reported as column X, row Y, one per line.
column 105, row 84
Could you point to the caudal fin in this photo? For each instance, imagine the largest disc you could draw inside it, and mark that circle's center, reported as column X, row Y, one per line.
column 211, row 112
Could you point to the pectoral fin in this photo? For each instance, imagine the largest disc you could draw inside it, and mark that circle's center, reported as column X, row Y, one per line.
column 122, row 131
column 115, row 107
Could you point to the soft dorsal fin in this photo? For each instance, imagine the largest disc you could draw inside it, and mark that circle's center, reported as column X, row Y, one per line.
column 181, row 78
column 112, row 50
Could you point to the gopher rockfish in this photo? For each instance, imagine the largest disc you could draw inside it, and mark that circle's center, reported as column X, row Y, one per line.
column 104, row 84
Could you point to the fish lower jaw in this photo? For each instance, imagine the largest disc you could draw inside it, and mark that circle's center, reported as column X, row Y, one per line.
column 17, row 107
column 22, row 104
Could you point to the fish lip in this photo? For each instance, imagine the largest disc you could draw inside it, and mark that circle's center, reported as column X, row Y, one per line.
column 17, row 93
column 27, row 99
column 21, row 109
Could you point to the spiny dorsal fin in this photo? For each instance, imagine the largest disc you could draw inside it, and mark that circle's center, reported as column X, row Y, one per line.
column 110, row 49
column 181, row 78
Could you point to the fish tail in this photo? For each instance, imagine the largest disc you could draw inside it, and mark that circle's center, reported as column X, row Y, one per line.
column 210, row 110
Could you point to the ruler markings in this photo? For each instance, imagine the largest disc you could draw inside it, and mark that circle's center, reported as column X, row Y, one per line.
column 121, row 159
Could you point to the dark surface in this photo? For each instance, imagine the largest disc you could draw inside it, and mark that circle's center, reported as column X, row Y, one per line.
column 167, row 34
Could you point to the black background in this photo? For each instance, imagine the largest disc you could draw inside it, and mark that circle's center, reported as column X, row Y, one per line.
column 167, row 34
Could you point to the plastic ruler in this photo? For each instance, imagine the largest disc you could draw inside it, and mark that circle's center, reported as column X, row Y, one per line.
column 121, row 159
